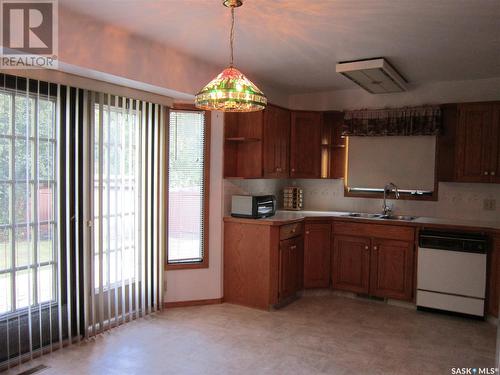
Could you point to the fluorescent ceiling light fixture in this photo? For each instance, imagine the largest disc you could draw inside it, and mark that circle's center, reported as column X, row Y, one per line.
column 377, row 76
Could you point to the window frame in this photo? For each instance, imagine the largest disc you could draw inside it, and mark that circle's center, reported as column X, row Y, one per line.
column 33, row 268
column 206, row 191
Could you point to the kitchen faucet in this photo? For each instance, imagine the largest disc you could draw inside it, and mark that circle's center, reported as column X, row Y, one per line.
column 386, row 209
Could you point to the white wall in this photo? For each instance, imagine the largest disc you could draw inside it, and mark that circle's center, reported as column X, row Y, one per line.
column 456, row 200
column 431, row 93
column 205, row 283
column 98, row 50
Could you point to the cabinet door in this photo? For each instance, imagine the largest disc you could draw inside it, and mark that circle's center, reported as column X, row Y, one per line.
column 473, row 137
column 495, row 145
column 391, row 270
column 276, row 152
column 317, row 255
column 351, row 263
column 289, row 267
column 305, row 145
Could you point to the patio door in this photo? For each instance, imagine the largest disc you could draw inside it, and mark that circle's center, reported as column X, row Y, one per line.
column 81, row 206
column 126, row 178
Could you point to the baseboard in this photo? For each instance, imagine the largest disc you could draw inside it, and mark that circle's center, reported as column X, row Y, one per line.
column 198, row 302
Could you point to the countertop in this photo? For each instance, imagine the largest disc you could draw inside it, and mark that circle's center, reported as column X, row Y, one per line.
column 285, row 217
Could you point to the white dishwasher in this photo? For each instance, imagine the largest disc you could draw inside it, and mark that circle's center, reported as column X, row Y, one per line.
column 451, row 273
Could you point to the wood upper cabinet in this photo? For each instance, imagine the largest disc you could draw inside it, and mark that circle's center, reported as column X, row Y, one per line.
column 469, row 146
column 243, row 144
column 391, row 271
column 317, row 255
column 333, row 146
column 305, row 144
column 351, row 263
column 474, row 126
column 276, row 147
column 495, row 145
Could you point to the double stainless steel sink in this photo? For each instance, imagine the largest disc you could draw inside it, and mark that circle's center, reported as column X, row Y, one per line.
column 363, row 215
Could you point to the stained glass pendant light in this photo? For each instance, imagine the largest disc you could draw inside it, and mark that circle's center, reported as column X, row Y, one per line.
column 231, row 91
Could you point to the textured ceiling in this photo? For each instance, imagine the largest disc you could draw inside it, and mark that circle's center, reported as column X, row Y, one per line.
column 295, row 44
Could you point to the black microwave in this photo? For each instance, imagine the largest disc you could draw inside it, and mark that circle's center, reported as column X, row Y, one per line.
column 252, row 206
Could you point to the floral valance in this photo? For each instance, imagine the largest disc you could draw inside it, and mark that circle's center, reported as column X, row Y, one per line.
column 396, row 121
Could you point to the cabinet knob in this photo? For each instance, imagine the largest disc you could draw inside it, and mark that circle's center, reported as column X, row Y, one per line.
column 293, row 230
column 293, row 169
column 307, row 232
column 486, row 173
column 366, row 247
column 293, row 247
column 492, row 173
column 374, row 247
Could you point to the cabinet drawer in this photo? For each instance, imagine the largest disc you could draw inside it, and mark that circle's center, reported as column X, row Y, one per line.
column 291, row 230
column 393, row 232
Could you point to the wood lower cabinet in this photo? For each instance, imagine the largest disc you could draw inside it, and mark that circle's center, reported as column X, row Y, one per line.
column 351, row 264
column 317, row 255
column 305, row 145
column 289, row 263
column 391, row 269
column 263, row 262
column 374, row 259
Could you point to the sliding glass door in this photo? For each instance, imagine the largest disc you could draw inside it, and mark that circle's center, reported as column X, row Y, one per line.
column 81, row 206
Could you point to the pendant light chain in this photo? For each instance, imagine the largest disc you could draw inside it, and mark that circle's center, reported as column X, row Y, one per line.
column 231, row 37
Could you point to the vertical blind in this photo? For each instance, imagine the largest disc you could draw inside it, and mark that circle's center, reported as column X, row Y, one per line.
column 186, row 186
column 81, row 188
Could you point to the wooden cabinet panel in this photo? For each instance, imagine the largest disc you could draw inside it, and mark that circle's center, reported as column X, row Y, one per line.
column 317, row 255
column 305, row 145
column 472, row 139
column 495, row 145
column 290, row 251
column 248, row 264
column 493, row 281
column 391, row 271
column 276, row 146
column 351, row 263
column 446, row 158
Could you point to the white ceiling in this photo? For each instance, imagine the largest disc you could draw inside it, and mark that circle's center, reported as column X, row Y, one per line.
column 295, row 44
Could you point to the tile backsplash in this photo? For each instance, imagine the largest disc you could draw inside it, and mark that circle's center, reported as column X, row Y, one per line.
column 456, row 200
